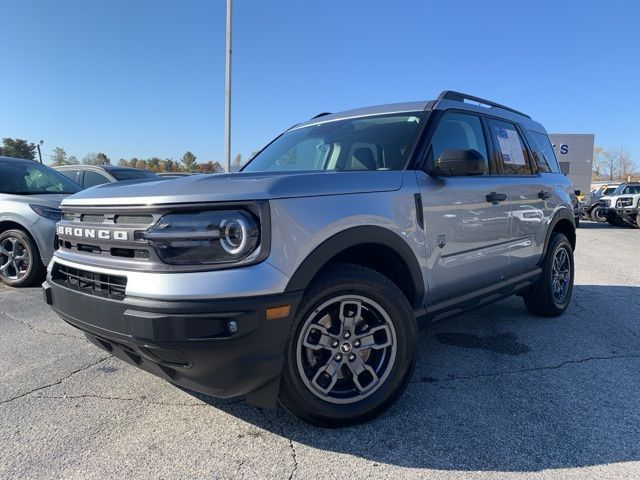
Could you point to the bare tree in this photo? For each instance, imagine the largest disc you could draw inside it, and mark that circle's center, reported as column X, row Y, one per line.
column 613, row 164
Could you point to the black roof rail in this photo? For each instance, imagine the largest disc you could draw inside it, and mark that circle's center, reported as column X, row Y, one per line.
column 461, row 97
column 321, row 115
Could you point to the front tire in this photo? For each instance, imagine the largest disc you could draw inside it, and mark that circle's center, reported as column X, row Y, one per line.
column 352, row 350
column 597, row 214
column 20, row 263
column 550, row 297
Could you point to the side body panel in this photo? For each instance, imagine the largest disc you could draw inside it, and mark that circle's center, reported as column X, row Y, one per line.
column 467, row 237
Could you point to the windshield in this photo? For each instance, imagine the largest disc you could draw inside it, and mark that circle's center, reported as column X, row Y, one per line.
column 31, row 178
column 131, row 174
column 380, row 142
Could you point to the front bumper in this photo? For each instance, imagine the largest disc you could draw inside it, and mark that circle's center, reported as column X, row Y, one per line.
column 191, row 343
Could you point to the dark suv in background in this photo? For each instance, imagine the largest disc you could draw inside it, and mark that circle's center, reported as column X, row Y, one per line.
column 91, row 175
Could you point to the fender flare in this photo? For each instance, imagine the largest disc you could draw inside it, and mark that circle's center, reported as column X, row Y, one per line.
column 562, row 214
column 351, row 237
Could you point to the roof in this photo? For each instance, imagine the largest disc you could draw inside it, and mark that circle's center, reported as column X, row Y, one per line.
column 446, row 100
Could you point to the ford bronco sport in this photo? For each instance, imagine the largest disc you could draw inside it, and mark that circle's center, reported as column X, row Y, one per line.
column 304, row 276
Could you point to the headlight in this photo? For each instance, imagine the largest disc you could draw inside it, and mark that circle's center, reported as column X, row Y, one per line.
column 47, row 212
column 207, row 237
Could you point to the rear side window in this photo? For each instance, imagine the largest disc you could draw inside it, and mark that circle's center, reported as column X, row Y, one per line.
column 91, row 179
column 459, row 131
column 632, row 189
column 543, row 143
column 511, row 149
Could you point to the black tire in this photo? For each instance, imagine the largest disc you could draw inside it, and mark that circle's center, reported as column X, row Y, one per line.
column 597, row 215
column 612, row 219
column 346, row 284
column 638, row 220
column 577, row 222
column 541, row 300
column 17, row 272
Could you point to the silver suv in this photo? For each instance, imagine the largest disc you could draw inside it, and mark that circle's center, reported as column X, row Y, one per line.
column 304, row 277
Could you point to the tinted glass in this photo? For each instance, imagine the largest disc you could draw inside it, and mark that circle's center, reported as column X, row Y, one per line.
column 511, row 149
column 91, row 179
column 381, row 142
column 131, row 174
column 71, row 174
column 632, row 189
column 30, row 178
column 609, row 190
column 544, row 144
column 459, row 131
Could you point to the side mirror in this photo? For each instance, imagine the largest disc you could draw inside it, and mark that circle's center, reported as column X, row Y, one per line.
column 577, row 193
column 453, row 163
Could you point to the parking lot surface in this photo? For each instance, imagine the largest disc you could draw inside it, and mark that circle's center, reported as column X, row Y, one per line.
column 497, row 393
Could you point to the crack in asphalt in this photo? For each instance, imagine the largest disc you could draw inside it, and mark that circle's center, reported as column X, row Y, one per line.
column 294, row 456
column 123, row 399
column 58, row 382
column 522, row 370
column 33, row 328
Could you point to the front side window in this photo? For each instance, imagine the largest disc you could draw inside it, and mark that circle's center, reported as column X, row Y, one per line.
column 71, row 174
column 458, row 131
column 91, row 179
column 31, row 178
column 511, row 149
column 381, row 142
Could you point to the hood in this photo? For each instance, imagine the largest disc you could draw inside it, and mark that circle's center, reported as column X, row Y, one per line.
column 237, row 187
column 48, row 199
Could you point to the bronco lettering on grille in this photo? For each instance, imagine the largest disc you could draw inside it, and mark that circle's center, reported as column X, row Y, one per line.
column 93, row 233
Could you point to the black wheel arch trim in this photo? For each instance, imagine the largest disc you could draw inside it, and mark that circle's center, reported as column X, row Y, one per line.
column 562, row 214
column 352, row 237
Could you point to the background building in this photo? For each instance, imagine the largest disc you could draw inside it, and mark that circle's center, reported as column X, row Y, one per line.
column 575, row 156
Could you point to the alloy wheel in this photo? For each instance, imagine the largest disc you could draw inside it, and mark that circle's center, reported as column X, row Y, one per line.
column 14, row 258
column 346, row 349
column 561, row 275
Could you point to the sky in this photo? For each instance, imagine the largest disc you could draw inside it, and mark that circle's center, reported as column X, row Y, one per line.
column 146, row 77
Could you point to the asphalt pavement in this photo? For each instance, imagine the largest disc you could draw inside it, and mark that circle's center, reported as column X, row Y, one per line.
column 497, row 393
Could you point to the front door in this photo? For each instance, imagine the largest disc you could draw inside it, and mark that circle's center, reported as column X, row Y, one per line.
column 466, row 217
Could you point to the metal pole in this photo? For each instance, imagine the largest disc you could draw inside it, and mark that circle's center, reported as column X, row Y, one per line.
column 227, row 93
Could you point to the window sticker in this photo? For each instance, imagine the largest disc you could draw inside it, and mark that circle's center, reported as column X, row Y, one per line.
column 510, row 146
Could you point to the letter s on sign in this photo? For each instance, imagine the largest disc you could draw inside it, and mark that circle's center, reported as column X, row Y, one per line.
column 564, row 149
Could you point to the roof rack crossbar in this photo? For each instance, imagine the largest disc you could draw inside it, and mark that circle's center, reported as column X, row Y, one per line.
column 461, row 97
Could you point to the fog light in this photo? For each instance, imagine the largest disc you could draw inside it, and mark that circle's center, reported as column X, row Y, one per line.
column 232, row 326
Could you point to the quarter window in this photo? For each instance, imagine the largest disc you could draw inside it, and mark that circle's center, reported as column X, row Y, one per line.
column 459, row 131
column 547, row 150
column 511, row 149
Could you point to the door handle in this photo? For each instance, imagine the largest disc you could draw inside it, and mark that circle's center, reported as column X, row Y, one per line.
column 495, row 197
column 544, row 195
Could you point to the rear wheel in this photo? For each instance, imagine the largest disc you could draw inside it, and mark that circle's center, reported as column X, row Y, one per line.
column 551, row 295
column 20, row 264
column 352, row 350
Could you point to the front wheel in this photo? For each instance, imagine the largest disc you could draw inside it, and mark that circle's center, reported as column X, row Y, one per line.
column 551, row 295
column 352, row 350
column 20, row 264
column 597, row 215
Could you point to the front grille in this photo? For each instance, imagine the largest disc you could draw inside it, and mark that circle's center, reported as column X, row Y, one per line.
column 133, row 219
column 93, row 283
column 92, row 218
column 625, row 202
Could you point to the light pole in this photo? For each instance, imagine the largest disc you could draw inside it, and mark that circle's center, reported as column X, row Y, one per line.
column 39, row 153
column 227, row 93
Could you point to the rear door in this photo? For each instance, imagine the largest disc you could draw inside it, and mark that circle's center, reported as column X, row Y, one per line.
column 532, row 199
column 466, row 218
